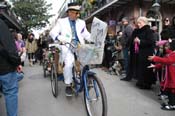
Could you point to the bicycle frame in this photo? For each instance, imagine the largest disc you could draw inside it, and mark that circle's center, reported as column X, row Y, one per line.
column 83, row 82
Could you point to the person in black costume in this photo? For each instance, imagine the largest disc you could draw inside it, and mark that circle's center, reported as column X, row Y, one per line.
column 145, row 40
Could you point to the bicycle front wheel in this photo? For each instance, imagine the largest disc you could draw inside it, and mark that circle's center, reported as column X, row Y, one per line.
column 95, row 97
column 54, row 81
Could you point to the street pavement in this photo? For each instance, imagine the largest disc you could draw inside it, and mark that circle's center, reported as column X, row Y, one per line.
column 124, row 99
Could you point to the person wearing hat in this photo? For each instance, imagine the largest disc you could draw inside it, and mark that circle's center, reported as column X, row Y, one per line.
column 70, row 29
column 167, row 62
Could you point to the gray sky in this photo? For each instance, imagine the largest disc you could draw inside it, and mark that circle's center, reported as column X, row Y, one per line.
column 56, row 4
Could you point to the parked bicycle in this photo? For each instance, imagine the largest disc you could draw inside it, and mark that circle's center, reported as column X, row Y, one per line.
column 86, row 81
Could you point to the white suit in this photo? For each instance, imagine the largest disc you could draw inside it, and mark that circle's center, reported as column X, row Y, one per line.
column 62, row 31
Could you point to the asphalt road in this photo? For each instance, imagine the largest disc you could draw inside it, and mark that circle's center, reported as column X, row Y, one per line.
column 124, row 99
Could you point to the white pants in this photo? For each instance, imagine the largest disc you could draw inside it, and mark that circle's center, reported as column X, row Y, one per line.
column 68, row 58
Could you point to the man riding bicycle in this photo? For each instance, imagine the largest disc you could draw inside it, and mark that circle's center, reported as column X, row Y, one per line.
column 70, row 29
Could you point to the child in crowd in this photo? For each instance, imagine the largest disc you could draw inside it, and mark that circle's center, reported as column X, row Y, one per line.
column 167, row 64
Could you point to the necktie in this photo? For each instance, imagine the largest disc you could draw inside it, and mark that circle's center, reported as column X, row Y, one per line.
column 74, row 32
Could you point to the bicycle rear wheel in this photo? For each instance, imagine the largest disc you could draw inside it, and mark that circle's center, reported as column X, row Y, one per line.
column 54, row 81
column 96, row 104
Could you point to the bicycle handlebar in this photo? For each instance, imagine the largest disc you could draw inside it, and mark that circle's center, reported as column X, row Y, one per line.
column 67, row 43
column 62, row 43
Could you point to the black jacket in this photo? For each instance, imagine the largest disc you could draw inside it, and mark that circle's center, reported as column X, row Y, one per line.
column 146, row 48
column 9, row 58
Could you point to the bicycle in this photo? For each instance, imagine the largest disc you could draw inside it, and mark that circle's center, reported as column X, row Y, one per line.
column 86, row 81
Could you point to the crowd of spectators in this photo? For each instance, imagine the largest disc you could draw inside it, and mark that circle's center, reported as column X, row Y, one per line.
column 138, row 44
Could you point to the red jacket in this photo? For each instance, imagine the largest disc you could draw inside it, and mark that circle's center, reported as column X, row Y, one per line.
column 168, row 62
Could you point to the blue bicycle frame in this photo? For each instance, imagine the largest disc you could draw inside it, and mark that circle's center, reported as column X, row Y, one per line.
column 83, row 82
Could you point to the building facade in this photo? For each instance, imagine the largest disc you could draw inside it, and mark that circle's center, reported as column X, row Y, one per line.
column 112, row 11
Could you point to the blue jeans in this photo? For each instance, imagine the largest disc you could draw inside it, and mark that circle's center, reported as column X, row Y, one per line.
column 125, row 54
column 9, row 83
column 20, row 76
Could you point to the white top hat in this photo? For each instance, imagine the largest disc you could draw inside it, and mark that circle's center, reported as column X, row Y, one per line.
column 74, row 6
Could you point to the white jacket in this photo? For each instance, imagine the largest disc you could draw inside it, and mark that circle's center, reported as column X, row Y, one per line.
column 62, row 31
